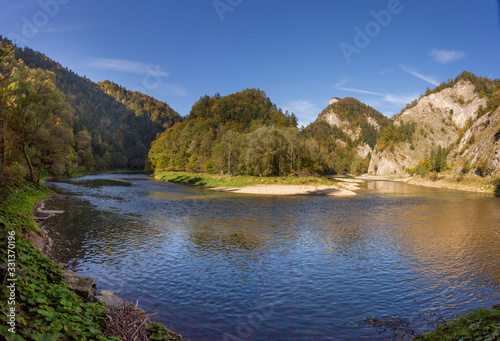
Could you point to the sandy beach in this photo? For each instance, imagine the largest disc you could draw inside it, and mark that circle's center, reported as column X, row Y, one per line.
column 338, row 190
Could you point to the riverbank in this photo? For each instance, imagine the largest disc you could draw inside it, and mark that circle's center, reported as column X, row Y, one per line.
column 38, row 304
column 262, row 186
column 457, row 182
column 445, row 181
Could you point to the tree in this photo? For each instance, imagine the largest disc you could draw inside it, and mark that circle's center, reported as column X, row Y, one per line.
column 425, row 164
column 265, row 153
column 292, row 137
column 34, row 107
column 225, row 152
column 6, row 53
column 438, row 159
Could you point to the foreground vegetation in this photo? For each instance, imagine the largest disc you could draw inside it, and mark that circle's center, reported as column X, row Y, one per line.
column 480, row 324
column 215, row 181
column 44, row 307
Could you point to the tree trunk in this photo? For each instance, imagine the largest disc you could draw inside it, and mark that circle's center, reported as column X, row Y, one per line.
column 30, row 166
column 3, row 146
column 39, row 175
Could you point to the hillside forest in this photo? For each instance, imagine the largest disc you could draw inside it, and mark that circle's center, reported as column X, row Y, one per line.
column 56, row 123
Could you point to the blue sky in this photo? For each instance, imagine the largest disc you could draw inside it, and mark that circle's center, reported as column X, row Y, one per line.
column 385, row 53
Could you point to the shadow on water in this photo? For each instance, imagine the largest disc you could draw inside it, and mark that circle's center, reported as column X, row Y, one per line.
column 188, row 180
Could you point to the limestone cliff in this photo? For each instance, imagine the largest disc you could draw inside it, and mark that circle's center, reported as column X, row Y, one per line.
column 479, row 149
column 454, row 117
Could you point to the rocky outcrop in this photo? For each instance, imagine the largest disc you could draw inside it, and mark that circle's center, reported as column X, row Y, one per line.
column 112, row 301
column 454, row 105
column 479, row 149
column 84, row 287
column 440, row 119
column 333, row 120
column 363, row 151
column 333, row 100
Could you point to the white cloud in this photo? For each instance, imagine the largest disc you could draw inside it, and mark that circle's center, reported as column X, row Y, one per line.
column 446, row 56
column 305, row 111
column 413, row 72
column 128, row 66
column 399, row 99
column 359, row 91
column 385, row 71
column 343, row 82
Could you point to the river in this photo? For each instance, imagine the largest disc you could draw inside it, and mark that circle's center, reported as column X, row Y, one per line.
column 241, row 267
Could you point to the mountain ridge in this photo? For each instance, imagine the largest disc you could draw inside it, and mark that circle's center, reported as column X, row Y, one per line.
column 443, row 120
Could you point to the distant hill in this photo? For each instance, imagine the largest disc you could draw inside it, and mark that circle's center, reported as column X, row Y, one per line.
column 160, row 113
column 349, row 130
column 454, row 126
column 242, row 133
column 113, row 127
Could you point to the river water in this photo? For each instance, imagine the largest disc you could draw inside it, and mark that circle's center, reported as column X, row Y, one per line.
column 240, row 267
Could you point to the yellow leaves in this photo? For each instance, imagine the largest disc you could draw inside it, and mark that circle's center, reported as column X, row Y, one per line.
column 426, row 163
column 13, row 86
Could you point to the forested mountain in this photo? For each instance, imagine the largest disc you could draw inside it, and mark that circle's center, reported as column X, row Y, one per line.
column 242, row 133
column 454, row 126
column 348, row 129
column 160, row 113
column 54, row 121
column 102, row 132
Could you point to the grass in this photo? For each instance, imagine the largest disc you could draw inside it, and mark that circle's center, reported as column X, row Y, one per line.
column 213, row 180
column 480, row 324
column 43, row 305
column 16, row 211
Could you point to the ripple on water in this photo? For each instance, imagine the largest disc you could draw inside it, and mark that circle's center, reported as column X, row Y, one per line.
column 280, row 267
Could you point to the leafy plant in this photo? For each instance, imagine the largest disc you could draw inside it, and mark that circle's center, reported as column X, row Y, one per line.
column 45, row 308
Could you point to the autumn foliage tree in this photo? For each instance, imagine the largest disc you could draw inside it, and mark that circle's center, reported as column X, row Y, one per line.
column 242, row 133
column 37, row 114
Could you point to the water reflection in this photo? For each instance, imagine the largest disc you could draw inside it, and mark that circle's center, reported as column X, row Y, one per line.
column 309, row 265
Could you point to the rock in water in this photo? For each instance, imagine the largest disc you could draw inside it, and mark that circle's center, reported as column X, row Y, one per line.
column 82, row 286
column 114, row 302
